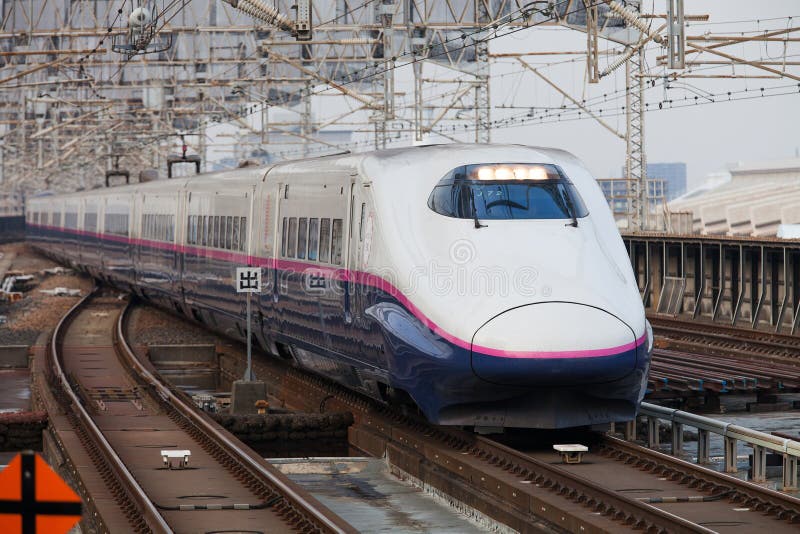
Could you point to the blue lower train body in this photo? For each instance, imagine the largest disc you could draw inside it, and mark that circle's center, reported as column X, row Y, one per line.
column 361, row 335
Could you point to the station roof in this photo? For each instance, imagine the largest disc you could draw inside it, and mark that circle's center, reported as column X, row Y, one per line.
column 760, row 197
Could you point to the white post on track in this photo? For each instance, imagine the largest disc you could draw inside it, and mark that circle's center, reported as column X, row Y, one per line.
column 248, row 280
column 248, row 373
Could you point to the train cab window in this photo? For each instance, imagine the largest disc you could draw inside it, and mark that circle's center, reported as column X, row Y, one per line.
column 324, row 240
column 242, row 234
column 336, row 242
column 291, row 239
column 302, row 237
column 507, row 191
column 313, row 239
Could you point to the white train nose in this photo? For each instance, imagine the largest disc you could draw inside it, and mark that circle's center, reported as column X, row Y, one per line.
column 553, row 344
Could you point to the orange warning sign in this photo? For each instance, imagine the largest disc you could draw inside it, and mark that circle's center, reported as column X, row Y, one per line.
column 33, row 498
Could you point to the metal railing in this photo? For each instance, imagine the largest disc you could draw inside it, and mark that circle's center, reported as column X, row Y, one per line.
column 761, row 442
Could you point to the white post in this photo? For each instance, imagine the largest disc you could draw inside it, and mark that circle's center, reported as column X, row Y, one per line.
column 248, row 374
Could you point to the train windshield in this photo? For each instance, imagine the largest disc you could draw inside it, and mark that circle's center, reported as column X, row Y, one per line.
column 507, row 191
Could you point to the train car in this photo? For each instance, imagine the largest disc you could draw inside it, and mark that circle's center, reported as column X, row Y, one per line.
column 486, row 284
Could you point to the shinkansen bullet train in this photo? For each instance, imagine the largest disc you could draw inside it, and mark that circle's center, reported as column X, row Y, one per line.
column 488, row 284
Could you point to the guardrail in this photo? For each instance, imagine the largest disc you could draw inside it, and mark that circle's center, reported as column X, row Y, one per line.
column 761, row 442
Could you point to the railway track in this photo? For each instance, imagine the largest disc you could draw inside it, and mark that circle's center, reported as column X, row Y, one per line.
column 618, row 487
column 123, row 417
column 749, row 344
column 701, row 357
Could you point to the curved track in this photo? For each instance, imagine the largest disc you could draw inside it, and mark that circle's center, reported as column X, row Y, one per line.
column 124, row 421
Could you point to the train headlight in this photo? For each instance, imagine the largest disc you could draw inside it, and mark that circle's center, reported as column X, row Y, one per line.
column 485, row 173
column 650, row 340
column 538, row 173
column 516, row 172
column 503, row 173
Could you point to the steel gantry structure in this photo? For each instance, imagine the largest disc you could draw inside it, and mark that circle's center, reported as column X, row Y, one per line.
column 91, row 87
column 87, row 83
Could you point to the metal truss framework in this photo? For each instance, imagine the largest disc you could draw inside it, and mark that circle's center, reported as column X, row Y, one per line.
column 68, row 102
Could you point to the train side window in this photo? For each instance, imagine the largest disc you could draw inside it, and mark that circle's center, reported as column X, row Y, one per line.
column 324, row 240
column 284, row 229
column 223, row 227
column 242, row 233
column 217, row 231
column 235, row 245
column 291, row 245
column 229, row 232
column 313, row 239
column 361, row 224
column 302, row 238
column 336, row 242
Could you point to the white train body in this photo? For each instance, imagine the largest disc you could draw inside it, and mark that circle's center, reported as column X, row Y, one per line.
column 488, row 283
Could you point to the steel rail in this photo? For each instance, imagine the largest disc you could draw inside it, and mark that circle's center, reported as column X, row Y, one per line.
column 726, row 333
column 307, row 503
column 147, row 508
column 742, row 489
column 567, row 479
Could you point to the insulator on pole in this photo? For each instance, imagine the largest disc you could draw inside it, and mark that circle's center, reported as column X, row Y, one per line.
column 263, row 12
column 634, row 20
column 619, row 61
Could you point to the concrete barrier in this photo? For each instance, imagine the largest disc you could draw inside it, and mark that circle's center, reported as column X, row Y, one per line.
column 14, row 356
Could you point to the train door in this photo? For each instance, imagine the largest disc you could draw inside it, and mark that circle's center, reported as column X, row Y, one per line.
column 355, row 248
column 368, row 337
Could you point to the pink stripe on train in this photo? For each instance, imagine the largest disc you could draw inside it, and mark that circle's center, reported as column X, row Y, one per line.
column 368, row 279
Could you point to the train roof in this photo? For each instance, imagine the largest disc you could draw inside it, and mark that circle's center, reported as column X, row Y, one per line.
column 444, row 156
column 455, row 153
